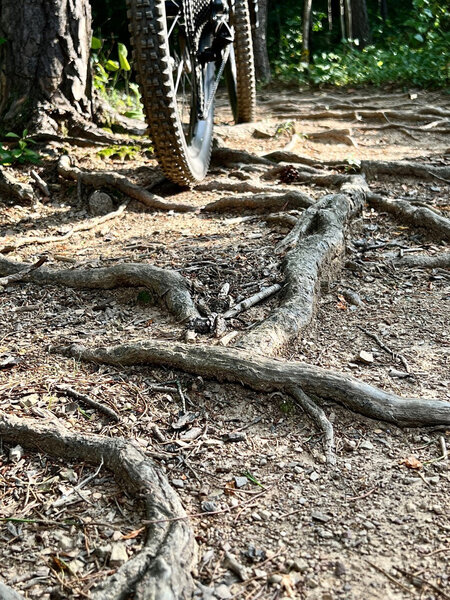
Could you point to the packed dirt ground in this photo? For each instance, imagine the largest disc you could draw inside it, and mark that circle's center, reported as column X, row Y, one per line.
column 272, row 520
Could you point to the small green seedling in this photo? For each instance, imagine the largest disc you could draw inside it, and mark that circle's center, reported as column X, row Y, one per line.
column 20, row 153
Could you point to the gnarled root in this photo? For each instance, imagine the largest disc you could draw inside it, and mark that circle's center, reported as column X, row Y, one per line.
column 170, row 549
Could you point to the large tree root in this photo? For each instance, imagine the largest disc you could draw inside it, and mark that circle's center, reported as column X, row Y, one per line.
column 266, row 374
column 405, row 168
column 290, row 200
column 86, row 226
column 356, row 114
column 10, row 186
column 316, row 241
column 419, row 216
column 162, row 568
column 112, row 180
column 168, row 287
column 228, row 156
column 440, row 261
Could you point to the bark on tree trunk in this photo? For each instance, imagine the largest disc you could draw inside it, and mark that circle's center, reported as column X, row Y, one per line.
column 306, row 29
column 262, row 65
column 44, row 63
column 360, row 23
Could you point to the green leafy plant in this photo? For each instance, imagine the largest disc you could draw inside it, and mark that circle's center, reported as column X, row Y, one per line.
column 123, row 153
column 20, row 152
column 112, row 77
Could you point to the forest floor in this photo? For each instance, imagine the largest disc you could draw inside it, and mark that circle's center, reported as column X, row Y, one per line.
column 378, row 526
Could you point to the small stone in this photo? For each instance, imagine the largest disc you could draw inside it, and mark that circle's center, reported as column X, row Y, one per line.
column 100, row 203
column 324, row 534
column 235, row 436
column 366, row 445
column 261, row 134
column 69, row 475
column 190, row 336
column 339, row 568
column 222, row 592
column 240, row 481
column 256, row 516
column 103, row 551
column 314, row 476
column 29, row 401
column 366, row 357
column 119, row 554
column 16, row 453
column 311, row 582
column 318, row 516
column 275, row 578
column 192, row 434
column 64, row 541
column 437, row 508
column 76, row 566
column 178, row 483
column 410, row 507
column 300, row 565
column 265, row 514
column 349, row 445
column 208, row 506
column 260, row 573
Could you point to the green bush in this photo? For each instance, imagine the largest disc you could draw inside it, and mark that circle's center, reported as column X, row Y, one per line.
column 412, row 48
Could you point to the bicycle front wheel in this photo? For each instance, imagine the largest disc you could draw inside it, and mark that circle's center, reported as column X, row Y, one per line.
column 177, row 91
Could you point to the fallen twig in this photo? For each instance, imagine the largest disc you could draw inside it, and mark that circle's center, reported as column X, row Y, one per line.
column 251, row 301
column 69, row 391
column 21, row 275
column 320, row 420
column 86, row 226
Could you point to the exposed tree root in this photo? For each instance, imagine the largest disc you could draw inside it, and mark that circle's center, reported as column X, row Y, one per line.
column 113, row 180
column 10, row 186
column 436, row 225
column 168, row 287
column 6, row 593
column 439, row 261
column 21, row 275
column 86, row 226
column 316, row 241
column 243, row 187
column 405, row 168
column 320, row 420
column 423, row 114
column 225, row 156
column 266, row 374
column 162, row 568
column 290, row 200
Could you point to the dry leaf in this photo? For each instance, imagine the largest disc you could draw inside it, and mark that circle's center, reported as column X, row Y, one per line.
column 412, row 462
column 133, row 534
column 342, row 304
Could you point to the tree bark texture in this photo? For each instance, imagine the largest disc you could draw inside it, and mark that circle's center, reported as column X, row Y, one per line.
column 44, row 63
column 360, row 23
column 268, row 374
column 262, row 65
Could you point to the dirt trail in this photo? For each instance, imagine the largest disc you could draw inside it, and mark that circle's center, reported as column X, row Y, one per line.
column 376, row 527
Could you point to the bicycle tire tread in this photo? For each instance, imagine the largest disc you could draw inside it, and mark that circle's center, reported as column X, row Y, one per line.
column 148, row 37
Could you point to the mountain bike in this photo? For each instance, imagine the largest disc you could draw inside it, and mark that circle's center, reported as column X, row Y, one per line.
column 181, row 49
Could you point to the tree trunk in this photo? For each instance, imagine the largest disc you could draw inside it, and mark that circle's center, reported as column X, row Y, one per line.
column 262, row 65
column 306, row 30
column 360, row 23
column 47, row 45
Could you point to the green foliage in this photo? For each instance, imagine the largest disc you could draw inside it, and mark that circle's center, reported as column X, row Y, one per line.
column 112, row 77
column 122, row 153
column 20, row 153
column 411, row 48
